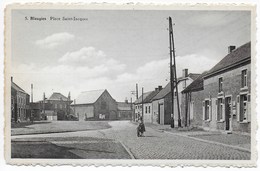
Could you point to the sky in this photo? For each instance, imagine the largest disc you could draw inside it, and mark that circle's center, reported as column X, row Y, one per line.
column 114, row 50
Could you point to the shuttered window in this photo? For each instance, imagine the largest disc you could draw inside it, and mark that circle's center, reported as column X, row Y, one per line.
column 220, row 109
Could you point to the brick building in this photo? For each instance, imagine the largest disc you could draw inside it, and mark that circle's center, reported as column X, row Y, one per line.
column 125, row 110
column 56, row 107
column 95, row 105
column 192, row 101
column 223, row 101
column 19, row 103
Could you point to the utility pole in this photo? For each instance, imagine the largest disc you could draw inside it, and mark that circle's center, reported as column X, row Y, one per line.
column 173, row 73
column 136, row 91
column 143, row 103
column 44, row 103
column 132, row 113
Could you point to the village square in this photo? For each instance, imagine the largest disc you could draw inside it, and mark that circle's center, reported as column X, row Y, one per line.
column 145, row 85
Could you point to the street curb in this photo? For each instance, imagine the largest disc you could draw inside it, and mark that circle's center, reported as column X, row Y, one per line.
column 127, row 150
column 211, row 142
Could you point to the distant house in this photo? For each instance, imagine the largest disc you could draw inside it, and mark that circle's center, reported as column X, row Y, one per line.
column 19, row 103
column 56, row 107
column 161, row 105
column 143, row 105
column 125, row 110
column 162, row 102
column 95, row 105
column 220, row 99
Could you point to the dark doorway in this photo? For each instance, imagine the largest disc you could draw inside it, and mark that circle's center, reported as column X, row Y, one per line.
column 227, row 112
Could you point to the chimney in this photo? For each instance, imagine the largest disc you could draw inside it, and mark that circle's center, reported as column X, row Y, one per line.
column 231, row 49
column 156, row 89
column 69, row 96
column 126, row 101
column 11, row 79
column 185, row 73
column 160, row 88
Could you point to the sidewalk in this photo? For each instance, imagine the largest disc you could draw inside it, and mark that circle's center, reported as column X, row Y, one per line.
column 240, row 142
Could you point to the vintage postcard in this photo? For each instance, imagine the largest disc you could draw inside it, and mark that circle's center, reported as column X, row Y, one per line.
column 155, row 85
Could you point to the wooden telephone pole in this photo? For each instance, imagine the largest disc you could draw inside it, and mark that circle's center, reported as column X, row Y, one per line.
column 173, row 74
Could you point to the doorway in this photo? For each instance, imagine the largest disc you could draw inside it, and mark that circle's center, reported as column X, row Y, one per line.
column 228, row 113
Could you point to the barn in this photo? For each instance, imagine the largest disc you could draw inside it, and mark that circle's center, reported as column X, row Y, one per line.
column 95, row 105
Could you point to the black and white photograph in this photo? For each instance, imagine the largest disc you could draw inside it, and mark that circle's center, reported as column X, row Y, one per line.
column 133, row 84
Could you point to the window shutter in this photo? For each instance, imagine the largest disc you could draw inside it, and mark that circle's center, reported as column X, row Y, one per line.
column 223, row 110
column 216, row 104
column 238, row 108
column 248, row 108
column 203, row 110
column 210, row 110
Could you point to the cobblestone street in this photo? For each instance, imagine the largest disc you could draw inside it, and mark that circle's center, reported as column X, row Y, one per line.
column 155, row 145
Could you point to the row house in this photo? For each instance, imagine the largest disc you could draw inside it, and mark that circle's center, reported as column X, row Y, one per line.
column 220, row 98
column 162, row 102
column 143, row 105
column 95, row 105
column 19, row 103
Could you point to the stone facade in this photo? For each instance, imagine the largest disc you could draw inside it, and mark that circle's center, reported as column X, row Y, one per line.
column 220, row 99
column 231, row 100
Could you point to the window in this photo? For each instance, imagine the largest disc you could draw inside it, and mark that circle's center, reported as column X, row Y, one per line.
column 145, row 109
column 244, row 79
column 207, row 110
column 60, row 106
column 220, row 109
column 55, row 106
column 65, row 106
column 220, row 84
column 19, row 112
column 149, row 109
column 243, row 107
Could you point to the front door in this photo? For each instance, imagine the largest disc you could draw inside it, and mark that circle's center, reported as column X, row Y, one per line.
column 159, row 113
column 228, row 112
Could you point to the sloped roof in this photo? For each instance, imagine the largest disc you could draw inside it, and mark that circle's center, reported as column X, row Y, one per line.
column 196, row 85
column 148, row 96
column 236, row 56
column 151, row 96
column 139, row 100
column 16, row 87
column 193, row 76
column 123, row 106
column 57, row 96
column 89, row 97
column 166, row 90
